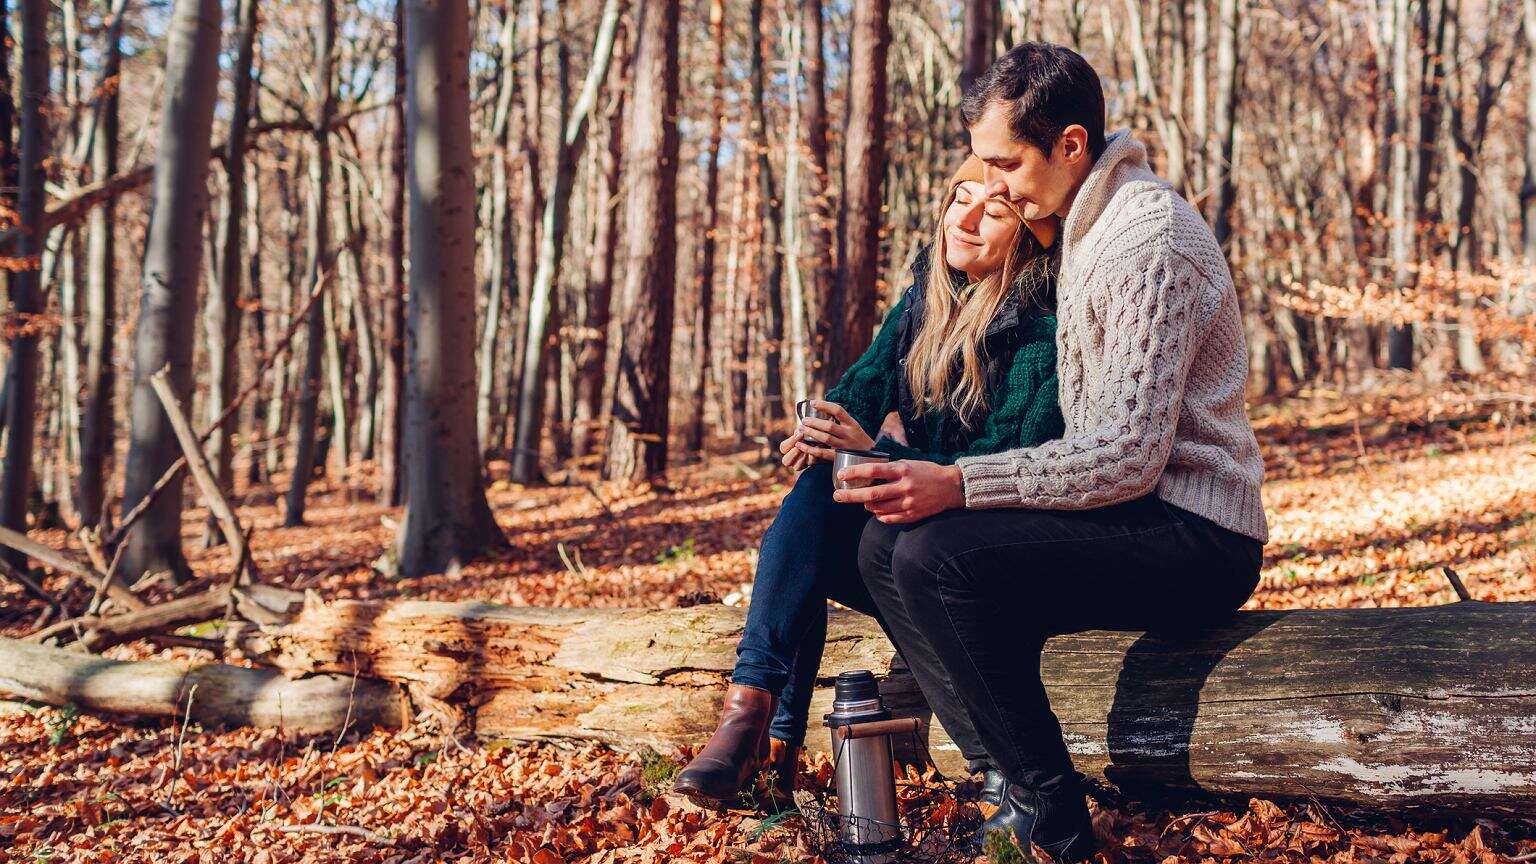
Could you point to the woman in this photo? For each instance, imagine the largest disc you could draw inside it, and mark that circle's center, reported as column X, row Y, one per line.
column 965, row 364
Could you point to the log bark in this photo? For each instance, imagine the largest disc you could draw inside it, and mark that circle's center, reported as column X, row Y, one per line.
column 219, row 695
column 1395, row 708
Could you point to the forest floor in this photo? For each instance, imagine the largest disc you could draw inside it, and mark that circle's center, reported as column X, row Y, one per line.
column 1368, row 498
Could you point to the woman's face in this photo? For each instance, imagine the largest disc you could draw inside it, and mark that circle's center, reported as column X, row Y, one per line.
column 978, row 231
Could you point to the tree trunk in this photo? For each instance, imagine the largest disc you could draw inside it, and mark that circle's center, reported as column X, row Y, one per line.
column 772, row 250
column 1224, row 127
column 531, row 201
column 1345, row 704
column 222, row 318
column 1528, row 184
column 1400, row 218
column 978, row 40
column 798, row 357
column 820, row 216
column 498, row 279
column 637, row 440
column 447, row 519
column 592, row 359
column 27, row 299
column 851, row 303
column 705, row 277
column 391, row 417
column 172, row 267
column 308, row 415
column 541, row 345
column 212, row 694
column 96, row 414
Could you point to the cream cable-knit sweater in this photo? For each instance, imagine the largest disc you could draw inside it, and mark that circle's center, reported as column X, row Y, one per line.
column 1151, row 361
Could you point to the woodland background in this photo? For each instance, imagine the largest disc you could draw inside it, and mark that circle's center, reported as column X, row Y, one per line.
column 609, row 244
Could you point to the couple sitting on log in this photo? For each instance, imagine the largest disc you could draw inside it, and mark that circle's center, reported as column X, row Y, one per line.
column 1060, row 393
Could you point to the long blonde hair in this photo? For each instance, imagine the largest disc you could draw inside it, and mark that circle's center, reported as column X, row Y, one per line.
column 954, row 322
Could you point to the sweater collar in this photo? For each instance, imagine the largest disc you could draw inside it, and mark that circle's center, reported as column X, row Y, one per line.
column 1124, row 159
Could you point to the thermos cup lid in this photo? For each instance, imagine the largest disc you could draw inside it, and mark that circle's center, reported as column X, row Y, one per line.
column 856, row 686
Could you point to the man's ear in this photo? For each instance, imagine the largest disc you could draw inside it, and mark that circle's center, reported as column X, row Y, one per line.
column 1073, row 144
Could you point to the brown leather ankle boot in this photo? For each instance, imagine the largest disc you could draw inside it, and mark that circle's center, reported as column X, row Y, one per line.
column 783, row 763
column 734, row 753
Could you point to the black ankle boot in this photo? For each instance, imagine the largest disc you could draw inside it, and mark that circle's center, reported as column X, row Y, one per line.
column 993, row 787
column 1058, row 823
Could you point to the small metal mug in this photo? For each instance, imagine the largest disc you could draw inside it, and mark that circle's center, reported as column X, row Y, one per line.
column 849, row 458
column 803, row 410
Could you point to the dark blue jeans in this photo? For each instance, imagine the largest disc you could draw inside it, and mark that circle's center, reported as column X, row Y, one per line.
column 809, row 555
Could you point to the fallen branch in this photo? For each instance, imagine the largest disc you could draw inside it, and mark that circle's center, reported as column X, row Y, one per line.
column 59, row 561
column 226, row 695
column 118, row 629
column 213, row 496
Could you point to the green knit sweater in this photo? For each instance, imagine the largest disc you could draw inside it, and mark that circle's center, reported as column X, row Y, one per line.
column 1023, row 411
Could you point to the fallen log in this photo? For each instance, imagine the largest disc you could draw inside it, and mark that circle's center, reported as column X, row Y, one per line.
column 1393, row 708
column 219, row 694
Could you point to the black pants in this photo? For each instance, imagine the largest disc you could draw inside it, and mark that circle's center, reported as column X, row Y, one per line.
column 974, row 594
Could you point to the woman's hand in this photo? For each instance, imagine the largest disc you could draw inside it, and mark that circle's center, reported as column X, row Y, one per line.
column 793, row 457
column 821, row 437
column 894, row 429
column 907, row 490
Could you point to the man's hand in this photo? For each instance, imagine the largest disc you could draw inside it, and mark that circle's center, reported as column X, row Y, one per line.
column 906, row 490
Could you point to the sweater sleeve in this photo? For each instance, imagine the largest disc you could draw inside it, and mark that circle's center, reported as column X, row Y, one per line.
column 1029, row 413
column 864, row 391
column 1149, row 319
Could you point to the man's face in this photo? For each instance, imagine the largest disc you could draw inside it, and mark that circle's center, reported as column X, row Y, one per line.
column 1040, row 184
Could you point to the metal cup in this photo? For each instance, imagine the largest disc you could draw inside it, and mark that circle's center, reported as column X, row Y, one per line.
column 803, row 410
column 849, row 458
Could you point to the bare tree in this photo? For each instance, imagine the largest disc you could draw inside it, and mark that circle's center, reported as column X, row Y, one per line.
column 1471, row 108
column 22, row 371
column 96, row 416
column 705, row 277
column 978, row 41
column 391, row 417
column 447, row 519
column 637, row 442
column 592, row 357
column 1528, row 186
column 851, row 303
column 308, row 416
column 221, row 318
column 771, row 216
column 173, row 261
column 538, row 347
column 821, row 218
column 1228, row 93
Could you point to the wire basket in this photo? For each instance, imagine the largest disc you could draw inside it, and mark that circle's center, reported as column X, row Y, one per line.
column 935, row 825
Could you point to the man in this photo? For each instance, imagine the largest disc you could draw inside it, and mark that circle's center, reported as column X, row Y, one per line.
column 1145, row 514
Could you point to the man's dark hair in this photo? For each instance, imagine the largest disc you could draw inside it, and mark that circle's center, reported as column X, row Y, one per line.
column 1044, row 88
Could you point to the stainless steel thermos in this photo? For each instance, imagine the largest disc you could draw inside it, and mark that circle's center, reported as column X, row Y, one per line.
column 869, row 828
